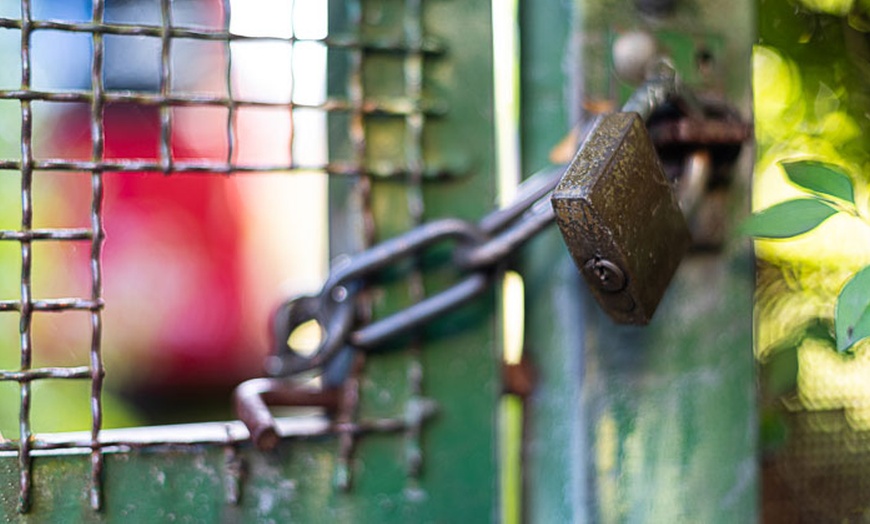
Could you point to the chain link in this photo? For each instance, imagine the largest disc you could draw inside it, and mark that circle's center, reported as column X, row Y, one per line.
column 478, row 249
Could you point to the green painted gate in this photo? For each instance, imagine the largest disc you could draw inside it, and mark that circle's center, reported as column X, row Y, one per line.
column 624, row 424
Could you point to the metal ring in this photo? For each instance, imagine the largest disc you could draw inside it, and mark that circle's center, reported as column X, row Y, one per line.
column 334, row 312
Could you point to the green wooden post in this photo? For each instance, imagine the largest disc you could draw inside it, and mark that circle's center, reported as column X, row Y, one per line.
column 653, row 424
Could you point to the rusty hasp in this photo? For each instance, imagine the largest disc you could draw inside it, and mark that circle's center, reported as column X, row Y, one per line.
column 252, row 398
column 701, row 123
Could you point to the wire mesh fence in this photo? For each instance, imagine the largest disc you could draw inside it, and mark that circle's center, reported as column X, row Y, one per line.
column 88, row 62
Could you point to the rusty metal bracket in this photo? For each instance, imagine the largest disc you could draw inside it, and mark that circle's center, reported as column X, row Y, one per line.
column 252, row 398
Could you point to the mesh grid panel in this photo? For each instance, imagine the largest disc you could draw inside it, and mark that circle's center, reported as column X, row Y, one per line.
column 160, row 31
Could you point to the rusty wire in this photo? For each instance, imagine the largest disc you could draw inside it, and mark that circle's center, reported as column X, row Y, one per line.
column 26, row 311
column 412, row 106
column 97, row 97
column 96, row 218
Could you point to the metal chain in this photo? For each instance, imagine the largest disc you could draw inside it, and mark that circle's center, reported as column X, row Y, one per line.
column 479, row 249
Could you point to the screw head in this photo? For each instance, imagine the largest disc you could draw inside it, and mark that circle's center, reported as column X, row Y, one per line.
column 607, row 276
column 339, row 294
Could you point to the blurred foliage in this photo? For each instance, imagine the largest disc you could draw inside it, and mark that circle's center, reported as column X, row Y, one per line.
column 829, row 191
column 812, row 96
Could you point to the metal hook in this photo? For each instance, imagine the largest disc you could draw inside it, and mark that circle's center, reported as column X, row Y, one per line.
column 252, row 397
column 334, row 307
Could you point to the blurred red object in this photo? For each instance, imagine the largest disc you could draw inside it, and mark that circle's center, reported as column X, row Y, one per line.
column 172, row 263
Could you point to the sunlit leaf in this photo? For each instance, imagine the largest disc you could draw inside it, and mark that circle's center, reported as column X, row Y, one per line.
column 852, row 320
column 822, row 178
column 788, row 219
column 831, row 7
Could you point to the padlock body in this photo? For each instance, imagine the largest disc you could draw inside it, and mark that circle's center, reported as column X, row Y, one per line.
column 620, row 218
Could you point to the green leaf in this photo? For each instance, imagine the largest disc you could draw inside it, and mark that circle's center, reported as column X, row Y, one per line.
column 822, row 178
column 788, row 219
column 778, row 373
column 778, row 370
column 852, row 320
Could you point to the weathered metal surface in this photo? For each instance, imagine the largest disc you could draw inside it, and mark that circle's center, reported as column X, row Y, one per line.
column 555, row 443
column 627, row 424
column 425, row 472
column 198, row 484
column 620, row 219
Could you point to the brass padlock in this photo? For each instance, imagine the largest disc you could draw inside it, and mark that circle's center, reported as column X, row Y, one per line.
column 620, row 218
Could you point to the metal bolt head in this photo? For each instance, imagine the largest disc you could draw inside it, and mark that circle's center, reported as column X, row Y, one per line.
column 605, row 274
